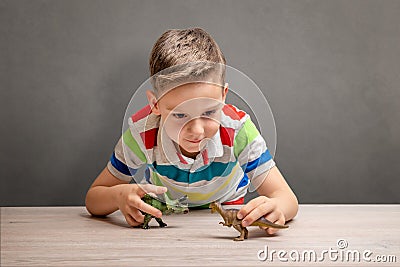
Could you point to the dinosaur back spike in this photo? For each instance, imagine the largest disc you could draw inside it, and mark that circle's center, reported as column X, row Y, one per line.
column 184, row 198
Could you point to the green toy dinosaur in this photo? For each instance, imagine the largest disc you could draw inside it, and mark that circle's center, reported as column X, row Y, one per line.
column 170, row 206
column 230, row 219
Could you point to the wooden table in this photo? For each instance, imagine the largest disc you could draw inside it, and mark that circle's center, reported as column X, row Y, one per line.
column 68, row 236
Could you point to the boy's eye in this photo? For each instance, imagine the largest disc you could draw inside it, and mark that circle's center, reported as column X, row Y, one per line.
column 209, row 113
column 179, row 115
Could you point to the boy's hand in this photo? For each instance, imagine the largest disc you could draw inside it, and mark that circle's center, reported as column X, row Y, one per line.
column 259, row 207
column 130, row 203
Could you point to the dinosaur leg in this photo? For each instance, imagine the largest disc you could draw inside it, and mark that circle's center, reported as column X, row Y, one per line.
column 246, row 233
column 147, row 219
column 160, row 222
column 242, row 230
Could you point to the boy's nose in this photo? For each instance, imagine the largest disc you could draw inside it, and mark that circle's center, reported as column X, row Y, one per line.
column 196, row 126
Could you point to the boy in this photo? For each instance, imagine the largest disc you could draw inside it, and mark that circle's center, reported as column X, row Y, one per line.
column 192, row 142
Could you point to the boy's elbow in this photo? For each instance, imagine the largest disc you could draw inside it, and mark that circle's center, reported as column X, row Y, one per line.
column 295, row 207
column 92, row 211
column 89, row 205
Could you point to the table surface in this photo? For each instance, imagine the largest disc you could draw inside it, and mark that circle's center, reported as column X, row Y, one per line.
column 69, row 236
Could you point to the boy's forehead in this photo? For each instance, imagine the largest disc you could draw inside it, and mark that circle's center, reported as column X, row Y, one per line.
column 192, row 95
column 190, row 72
column 196, row 104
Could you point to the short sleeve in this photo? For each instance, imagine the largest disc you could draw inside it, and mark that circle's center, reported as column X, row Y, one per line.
column 251, row 151
column 126, row 158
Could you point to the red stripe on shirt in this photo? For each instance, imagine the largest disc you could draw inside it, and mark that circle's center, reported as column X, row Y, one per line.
column 239, row 201
column 205, row 156
column 149, row 138
column 227, row 135
column 232, row 112
column 144, row 112
column 181, row 158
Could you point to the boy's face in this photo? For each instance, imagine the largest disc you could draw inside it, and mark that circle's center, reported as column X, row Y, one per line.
column 190, row 114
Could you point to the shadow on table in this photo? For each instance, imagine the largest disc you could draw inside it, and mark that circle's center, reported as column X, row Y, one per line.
column 114, row 220
column 108, row 219
column 254, row 233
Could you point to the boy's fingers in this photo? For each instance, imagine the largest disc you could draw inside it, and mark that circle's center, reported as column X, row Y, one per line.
column 130, row 220
column 253, row 216
column 257, row 213
column 150, row 188
column 271, row 231
column 280, row 221
column 245, row 210
column 148, row 209
column 137, row 215
column 249, row 207
column 273, row 216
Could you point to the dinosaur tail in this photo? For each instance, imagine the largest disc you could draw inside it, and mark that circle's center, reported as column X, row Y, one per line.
column 266, row 223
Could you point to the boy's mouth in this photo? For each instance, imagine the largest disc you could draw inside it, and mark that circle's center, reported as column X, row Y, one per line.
column 194, row 141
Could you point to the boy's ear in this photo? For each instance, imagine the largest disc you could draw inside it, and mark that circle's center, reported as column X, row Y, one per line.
column 225, row 92
column 151, row 97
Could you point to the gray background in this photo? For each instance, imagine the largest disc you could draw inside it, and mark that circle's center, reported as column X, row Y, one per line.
column 329, row 69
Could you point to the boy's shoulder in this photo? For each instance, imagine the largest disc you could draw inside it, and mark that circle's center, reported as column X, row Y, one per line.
column 229, row 112
column 144, row 128
column 144, row 125
column 144, row 119
column 233, row 118
column 141, row 114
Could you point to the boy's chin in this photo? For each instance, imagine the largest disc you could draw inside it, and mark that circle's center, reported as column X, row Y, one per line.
column 192, row 149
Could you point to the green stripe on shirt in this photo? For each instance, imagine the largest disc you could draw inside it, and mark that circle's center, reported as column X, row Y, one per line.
column 244, row 137
column 133, row 145
column 158, row 182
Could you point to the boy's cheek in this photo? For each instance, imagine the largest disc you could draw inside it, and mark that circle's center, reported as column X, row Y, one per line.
column 173, row 136
column 176, row 135
column 173, row 130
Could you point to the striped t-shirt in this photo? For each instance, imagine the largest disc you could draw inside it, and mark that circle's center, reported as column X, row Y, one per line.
column 221, row 171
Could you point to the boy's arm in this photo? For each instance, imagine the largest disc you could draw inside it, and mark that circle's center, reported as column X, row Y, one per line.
column 100, row 198
column 108, row 194
column 275, row 187
column 276, row 202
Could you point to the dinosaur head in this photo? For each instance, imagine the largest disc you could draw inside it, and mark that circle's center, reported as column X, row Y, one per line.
column 177, row 205
column 214, row 206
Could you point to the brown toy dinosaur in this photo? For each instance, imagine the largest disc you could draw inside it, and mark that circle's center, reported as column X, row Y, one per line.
column 230, row 219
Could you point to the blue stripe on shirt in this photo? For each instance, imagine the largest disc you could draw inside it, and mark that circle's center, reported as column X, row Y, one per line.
column 243, row 182
column 266, row 156
column 147, row 175
column 213, row 170
column 121, row 167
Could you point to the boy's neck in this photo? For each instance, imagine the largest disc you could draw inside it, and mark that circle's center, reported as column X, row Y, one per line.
column 192, row 155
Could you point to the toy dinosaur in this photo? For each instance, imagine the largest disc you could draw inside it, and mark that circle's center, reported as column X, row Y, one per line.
column 230, row 219
column 170, row 206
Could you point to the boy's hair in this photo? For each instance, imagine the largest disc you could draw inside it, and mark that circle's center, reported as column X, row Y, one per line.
column 185, row 54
